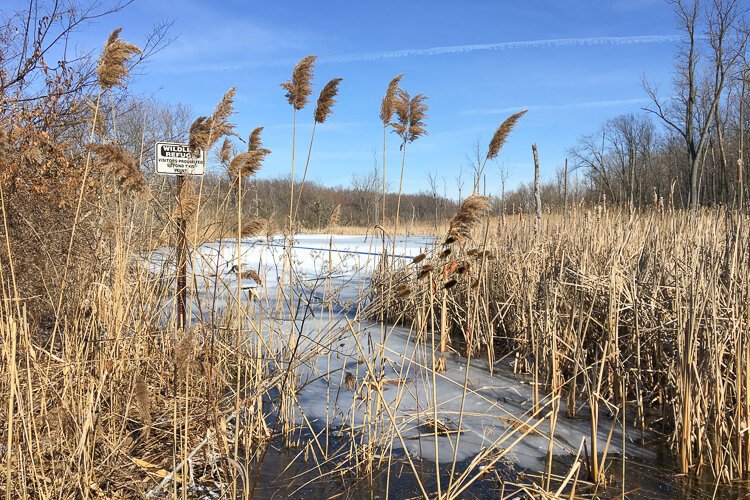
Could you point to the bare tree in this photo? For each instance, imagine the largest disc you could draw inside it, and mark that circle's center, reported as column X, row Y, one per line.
column 696, row 105
column 432, row 181
column 504, row 175
column 460, row 182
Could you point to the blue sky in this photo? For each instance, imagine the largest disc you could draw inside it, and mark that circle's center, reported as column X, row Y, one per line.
column 573, row 63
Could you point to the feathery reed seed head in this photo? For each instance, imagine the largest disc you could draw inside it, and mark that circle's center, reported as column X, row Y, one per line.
column 411, row 113
column 112, row 69
column 252, row 228
column 206, row 131
column 225, row 153
column 466, row 217
column 299, row 88
column 187, row 202
column 326, row 100
column 388, row 103
column 254, row 143
column 502, row 133
column 248, row 163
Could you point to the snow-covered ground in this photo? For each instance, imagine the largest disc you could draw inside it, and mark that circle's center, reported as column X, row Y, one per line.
column 331, row 278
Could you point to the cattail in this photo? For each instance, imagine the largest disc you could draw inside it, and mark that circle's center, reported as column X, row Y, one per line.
column 403, row 291
column 335, row 216
column 472, row 252
column 206, row 131
column 450, row 284
column 445, row 253
column 252, row 228
column 410, row 115
column 350, row 381
column 247, row 164
column 144, row 401
column 299, row 88
column 115, row 160
column 254, row 142
column 502, row 133
column 326, row 100
column 112, row 68
column 387, row 105
column 419, row 258
column 488, row 255
column 425, row 271
column 467, row 216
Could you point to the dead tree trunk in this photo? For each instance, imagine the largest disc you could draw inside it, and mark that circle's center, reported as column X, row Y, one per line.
column 537, row 194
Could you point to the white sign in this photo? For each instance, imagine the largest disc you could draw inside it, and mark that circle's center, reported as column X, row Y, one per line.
column 174, row 158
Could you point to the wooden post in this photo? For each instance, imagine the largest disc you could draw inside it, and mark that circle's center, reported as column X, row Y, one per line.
column 565, row 190
column 181, row 261
column 537, row 194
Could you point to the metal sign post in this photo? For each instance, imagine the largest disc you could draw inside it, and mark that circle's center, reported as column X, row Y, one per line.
column 174, row 158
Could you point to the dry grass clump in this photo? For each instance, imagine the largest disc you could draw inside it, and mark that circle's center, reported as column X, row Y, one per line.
column 116, row 161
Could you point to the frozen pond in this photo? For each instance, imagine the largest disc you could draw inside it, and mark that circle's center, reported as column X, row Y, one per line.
column 339, row 357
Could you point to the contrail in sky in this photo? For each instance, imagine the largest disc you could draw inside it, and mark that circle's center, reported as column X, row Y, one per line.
column 445, row 50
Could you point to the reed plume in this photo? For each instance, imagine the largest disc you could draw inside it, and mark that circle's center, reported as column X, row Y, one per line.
column 225, row 153
column 112, row 69
column 252, row 228
column 254, row 143
column 207, row 130
column 187, row 202
column 335, row 216
column 411, row 113
column 466, row 217
column 326, row 100
column 299, row 88
column 502, row 133
column 388, row 103
column 183, row 352
column 248, row 163
column 116, row 161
